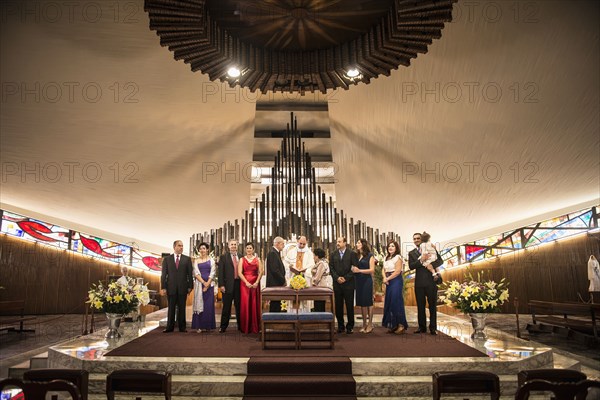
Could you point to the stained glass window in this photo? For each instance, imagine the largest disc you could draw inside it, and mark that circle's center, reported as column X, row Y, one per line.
column 34, row 230
column 146, row 260
column 101, row 248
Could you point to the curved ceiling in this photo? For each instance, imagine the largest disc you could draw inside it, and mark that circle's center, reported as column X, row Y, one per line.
column 518, row 95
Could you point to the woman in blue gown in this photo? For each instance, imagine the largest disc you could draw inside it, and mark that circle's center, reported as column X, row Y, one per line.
column 394, row 316
column 363, row 275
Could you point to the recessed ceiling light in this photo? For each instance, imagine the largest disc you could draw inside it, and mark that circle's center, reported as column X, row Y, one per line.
column 233, row 72
column 352, row 73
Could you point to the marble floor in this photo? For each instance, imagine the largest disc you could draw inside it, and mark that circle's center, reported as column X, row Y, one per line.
column 503, row 345
column 390, row 377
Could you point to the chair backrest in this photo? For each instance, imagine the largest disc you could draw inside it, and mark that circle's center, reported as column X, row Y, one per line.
column 466, row 382
column 551, row 375
column 139, row 380
column 38, row 390
column 562, row 390
column 10, row 382
column 78, row 377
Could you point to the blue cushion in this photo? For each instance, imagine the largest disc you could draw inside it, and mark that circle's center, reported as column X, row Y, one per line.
column 313, row 316
column 275, row 316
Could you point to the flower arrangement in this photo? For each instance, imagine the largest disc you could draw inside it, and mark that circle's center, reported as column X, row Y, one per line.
column 117, row 298
column 298, row 282
column 475, row 295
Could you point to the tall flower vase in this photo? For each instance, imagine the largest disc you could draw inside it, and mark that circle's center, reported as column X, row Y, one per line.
column 478, row 322
column 114, row 321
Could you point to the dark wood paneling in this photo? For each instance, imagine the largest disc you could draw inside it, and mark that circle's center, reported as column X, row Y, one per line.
column 53, row 281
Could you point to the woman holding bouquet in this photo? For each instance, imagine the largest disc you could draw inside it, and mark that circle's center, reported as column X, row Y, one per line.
column 394, row 316
column 203, row 318
column 250, row 270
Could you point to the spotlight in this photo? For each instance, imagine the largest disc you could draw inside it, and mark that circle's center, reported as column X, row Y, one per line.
column 352, row 73
column 233, row 72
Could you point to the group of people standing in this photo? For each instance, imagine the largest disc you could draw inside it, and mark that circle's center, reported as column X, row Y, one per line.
column 349, row 272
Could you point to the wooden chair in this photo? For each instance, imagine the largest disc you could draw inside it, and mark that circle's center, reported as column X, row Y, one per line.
column 466, row 382
column 562, row 390
column 9, row 308
column 138, row 381
column 78, row 377
column 555, row 375
column 38, row 390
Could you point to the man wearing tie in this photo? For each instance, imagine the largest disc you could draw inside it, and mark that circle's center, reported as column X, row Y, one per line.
column 176, row 281
column 275, row 270
column 341, row 262
column 425, row 287
column 229, row 284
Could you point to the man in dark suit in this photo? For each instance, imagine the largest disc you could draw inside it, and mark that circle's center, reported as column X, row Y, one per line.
column 341, row 262
column 275, row 270
column 229, row 284
column 425, row 287
column 176, row 281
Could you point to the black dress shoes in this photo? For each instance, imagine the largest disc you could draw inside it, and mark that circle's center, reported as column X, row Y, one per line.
column 340, row 330
column 168, row 331
column 222, row 330
column 419, row 331
column 433, row 332
column 349, row 331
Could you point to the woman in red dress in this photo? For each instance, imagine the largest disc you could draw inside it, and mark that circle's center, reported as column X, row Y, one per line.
column 250, row 270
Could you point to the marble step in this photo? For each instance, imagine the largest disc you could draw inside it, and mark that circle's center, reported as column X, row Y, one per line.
column 564, row 362
column 17, row 371
column 414, row 366
column 446, row 397
column 415, row 386
column 418, row 366
column 366, row 386
column 35, row 362
column 150, row 397
column 39, row 361
column 187, row 385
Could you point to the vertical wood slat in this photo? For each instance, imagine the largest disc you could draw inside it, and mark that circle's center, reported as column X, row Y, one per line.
column 294, row 204
column 556, row 272
column 62, row 285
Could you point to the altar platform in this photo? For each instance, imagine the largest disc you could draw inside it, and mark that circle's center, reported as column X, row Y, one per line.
column 376, row 377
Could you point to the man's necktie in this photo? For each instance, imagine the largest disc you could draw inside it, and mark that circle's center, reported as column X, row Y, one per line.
column 235, row 266
column 177, row 262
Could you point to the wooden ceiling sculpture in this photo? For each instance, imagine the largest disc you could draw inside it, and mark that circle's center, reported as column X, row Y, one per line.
column 297, row 45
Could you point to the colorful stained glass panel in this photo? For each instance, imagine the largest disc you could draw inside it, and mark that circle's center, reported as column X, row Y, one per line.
column 34, row 230
column 101, row 248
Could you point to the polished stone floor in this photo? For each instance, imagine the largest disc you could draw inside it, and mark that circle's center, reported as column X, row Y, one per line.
column 53, row 329
column 387, row 377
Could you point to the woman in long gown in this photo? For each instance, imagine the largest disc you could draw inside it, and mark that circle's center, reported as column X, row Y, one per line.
column 363, row 275
column 394, row 316
column 203, row 318
column 250, row 270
